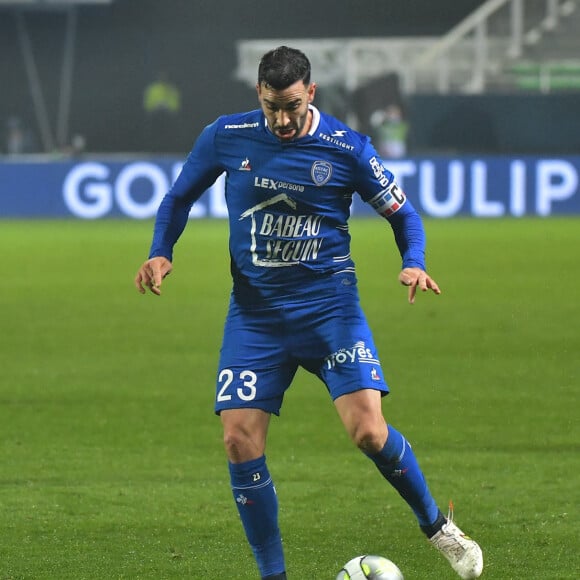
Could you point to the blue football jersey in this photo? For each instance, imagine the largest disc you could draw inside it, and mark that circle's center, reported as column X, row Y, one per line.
column 288, row 202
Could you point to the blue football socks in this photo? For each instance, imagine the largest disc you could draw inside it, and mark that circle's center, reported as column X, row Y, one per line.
column 398, row 465
column 257, row 504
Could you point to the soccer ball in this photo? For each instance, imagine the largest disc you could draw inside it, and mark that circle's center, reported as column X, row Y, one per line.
column 371, row 567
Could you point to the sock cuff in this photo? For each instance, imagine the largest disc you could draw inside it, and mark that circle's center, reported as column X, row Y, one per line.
column 253, row 473
column 394, row 448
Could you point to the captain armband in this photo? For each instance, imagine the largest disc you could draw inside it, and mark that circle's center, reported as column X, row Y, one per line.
column 389, row 200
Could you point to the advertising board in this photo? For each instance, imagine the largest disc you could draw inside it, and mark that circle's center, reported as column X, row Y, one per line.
column 440, row 187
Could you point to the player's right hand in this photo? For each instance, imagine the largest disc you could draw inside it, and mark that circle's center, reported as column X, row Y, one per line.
column 151, row 273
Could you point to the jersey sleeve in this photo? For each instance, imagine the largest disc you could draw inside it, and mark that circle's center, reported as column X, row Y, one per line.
column 198, row 173
column 377, row 186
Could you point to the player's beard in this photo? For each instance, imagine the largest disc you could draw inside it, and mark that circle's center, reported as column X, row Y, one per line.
column 292, row 130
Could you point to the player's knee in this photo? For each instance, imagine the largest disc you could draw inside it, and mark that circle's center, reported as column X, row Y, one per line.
column 240, row 445
column 369, row 439
column 235, row 441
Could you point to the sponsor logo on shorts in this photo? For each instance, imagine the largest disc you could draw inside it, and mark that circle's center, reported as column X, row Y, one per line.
column 358, row 353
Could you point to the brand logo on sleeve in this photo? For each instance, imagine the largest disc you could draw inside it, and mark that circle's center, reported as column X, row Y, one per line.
column 379, row 171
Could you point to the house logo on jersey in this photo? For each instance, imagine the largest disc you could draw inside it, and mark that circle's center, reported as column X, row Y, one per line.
column 321, row 172
column 245, row 165
column 358, row 353
column 279, row 238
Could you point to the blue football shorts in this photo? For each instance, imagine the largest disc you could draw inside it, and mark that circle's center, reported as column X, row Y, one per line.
column 263, row 346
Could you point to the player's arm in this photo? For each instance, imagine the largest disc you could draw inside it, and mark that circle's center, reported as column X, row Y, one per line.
column 198, row 173
column 410, row 238
column 377, row 187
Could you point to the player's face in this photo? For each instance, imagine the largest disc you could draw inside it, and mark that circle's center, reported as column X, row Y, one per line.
column 287, row 110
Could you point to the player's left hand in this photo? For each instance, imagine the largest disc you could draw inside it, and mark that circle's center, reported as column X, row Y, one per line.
column 151, row 274
column 415, row 278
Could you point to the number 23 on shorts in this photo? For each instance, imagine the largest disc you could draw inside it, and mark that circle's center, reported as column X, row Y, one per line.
column 246, row 392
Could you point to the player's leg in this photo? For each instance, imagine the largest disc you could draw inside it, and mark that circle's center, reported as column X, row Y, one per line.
column 352, row 372
column 351, row 369
column 361, row 414
column 245, row 433
column 251, row 382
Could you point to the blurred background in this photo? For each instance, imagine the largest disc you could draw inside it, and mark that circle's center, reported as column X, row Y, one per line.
column 139, row 79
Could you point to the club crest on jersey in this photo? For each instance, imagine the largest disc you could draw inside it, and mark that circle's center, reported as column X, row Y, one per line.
column 321, row 172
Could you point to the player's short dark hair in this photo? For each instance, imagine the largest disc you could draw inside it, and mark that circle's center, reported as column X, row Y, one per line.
column 282, row 67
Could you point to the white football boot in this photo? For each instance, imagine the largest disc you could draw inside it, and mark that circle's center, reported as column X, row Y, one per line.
column 463, row 553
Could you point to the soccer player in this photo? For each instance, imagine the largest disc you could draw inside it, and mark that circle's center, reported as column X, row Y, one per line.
column 291, row 172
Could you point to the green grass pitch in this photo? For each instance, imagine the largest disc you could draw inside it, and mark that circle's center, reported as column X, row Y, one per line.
column 111, row 458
